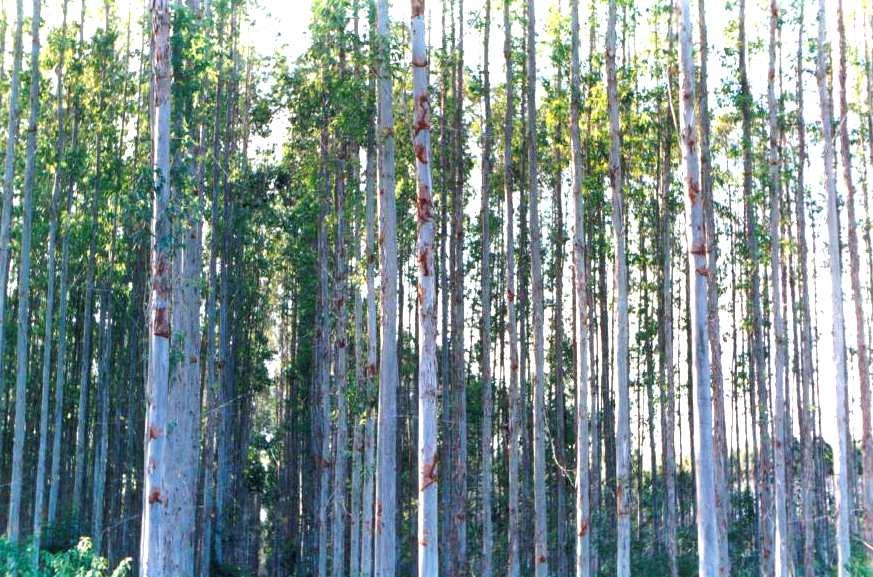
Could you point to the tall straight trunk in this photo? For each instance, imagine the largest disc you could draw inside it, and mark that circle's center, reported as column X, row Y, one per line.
column 622, row 445
column 541, row 529
column 763, row 462
column 386, row 467
column 722, row 491
column 428, row 556
column 485, row 488
column 841, row 472
column 857, row 297
column 13, row 522
column 807, row 417
column 782, row 545
column 355, row 499
column 697, row 246
column 51, row 251
column 340, row 459
column 323, row 359
column 458, row 388
column 665, row 341
column 12, row 126
column 157, row 385
column 582, row 560
column 515, row 406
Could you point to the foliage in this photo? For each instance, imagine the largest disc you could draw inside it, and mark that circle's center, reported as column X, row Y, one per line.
column 78, row 561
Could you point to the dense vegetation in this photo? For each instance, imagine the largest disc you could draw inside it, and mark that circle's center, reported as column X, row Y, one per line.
column 597, row 304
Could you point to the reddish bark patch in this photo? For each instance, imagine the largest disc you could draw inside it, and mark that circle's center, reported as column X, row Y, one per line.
column 583, row 530
column 420, row 150
column 417, row 8
column 154, row 432
column 429, row 474
column 162, row 323
column 156, row 497
column 424, row 205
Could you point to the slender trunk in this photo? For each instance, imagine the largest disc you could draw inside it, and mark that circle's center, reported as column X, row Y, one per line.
column 698, row 245
column 485, row 490
column 323, row 359
column 515, row 408
column 340, row 462
column 12, row 127
column 157, row 416
column 781, row 539
column 428, row 559
column 842, row 448
column 807, row 418
column 13, row 522
column 386, row 468
column 541, row 530
column 722, row 494
column 855, row 276
column 580, row 272
column 622, row 446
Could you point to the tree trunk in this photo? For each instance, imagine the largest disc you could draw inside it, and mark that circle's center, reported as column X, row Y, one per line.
column 622, row 446
column 386, row 468
column 487, row 568
column 782, row 545
column 855, row 276
column 428, row 559
column 515, row 406
column 541, row 530
column 841, row 473
column 15, row 492
column 697, row 242
column 12, row 127
column 580, row 272
column 158, row 417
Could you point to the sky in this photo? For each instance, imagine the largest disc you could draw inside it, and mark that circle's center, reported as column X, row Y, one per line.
column 281, row 26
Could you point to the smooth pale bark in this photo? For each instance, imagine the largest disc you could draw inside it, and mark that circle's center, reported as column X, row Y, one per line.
column 386, row 466
column 807, row 416
column 697, row 247
column 842, row 496
column 486, row 451
column 722, row 491
column 782, row 553
column 157, row 384
column 16, row 485
column 426, row 480
column 541, row 529
column 12, row 127
column 355, row 499
column 622, row 441
column 340, row 449
column 855, row 276
column 515, row 407
column 51, row 251
column 582, row 560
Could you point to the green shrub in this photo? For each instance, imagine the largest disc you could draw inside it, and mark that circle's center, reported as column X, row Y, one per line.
column 78, row 561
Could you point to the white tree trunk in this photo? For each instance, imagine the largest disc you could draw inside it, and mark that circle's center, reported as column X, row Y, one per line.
column 622, row 445
column 157, row 385
column 541, row 529
column 426, row 481
column 580, row 270
column 515, row 406
column 386, row 468
column 696, row 240
column 781, row 543
column 841, row 469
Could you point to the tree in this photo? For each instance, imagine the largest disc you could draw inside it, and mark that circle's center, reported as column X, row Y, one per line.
column 838, row 320
column 697, row 247
column 386, row 464
column 157, row 418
